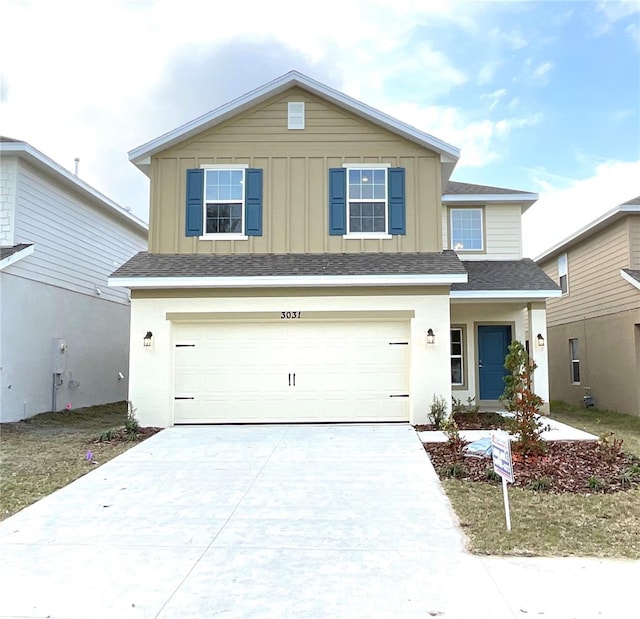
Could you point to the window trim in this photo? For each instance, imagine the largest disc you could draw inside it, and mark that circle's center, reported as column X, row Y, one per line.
column 574, row 362
column 483, row 228
column 563, row 260
column 295, row 115
column 224, row 236
column 367, row 235
column 463, row 350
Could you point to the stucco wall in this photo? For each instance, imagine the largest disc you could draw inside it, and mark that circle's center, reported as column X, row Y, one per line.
column 97, row 335
column 151, row 387
column 609, row 351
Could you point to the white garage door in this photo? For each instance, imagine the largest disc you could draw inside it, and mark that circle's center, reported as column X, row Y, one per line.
column 291, row 371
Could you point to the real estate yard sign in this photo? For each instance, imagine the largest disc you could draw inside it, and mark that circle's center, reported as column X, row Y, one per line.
column 503, row 465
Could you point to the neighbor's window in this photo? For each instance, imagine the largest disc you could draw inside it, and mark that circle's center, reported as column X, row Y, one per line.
column 224, row 201
column 563, row 273
column 575, row 361
column 466, row 229
column 367, row 201
column 457, row 363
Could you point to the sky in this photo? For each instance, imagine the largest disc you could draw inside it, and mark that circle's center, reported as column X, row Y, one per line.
column 539, row 96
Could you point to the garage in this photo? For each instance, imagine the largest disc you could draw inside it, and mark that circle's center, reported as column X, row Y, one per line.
column 291, row 370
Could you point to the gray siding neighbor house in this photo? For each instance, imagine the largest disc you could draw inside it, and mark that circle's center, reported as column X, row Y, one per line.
column 64, row 334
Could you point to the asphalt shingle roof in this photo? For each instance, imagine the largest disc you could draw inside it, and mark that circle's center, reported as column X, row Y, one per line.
column 635, row 273
column 633, row 201
column 453, row 187
column 5, row 252
column 146, row 264
column 505, row 275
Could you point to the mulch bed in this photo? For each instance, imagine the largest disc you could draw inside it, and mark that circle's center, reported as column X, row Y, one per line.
column 121, row 436
column 470, row 421
column 579, row 467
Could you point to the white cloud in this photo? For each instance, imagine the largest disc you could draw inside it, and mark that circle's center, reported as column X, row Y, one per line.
column 487, row 72
column 495, row 97
column 566, row 205
column 542, row 70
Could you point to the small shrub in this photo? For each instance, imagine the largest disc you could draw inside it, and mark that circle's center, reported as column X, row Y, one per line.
column 633, row 471
column 610, row 447
column 454, row 440
column 438, row 413
column 131, row 425
column 540, row 483
column 596, row 483
column 626, row 478
column 455, row 470
column 492, row 475
column 107, row 436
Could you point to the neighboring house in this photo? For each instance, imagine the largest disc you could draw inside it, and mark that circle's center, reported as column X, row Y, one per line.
column 301, row 268
column 63, row 332
column 594, row 328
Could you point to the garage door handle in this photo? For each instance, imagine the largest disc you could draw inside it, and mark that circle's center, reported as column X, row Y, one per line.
column 294, row 379
column 289, row 379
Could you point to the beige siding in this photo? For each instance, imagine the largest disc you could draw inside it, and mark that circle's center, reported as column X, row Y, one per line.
column 595, row 285
column 502, row 232
column 295, row 165
column 634, row 241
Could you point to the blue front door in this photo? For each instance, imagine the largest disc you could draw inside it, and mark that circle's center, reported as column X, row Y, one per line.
column 493, row 346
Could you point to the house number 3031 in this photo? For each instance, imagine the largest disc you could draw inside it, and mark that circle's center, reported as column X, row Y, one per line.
column 290, row 315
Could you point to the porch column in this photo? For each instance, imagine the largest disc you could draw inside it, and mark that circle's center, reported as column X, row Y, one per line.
column 537, row 321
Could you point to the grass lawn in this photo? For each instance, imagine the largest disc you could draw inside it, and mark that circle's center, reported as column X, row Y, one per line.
column 46, row 452
column 549, row 524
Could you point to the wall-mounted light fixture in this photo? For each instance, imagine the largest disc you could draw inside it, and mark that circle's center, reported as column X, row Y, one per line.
column 431, row 337
column 540, row 340
column 148, row 339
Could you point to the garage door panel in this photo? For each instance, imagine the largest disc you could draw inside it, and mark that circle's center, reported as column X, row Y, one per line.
column 291, row 371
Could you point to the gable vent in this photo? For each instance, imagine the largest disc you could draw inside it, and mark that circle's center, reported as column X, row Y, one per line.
column 296, row 115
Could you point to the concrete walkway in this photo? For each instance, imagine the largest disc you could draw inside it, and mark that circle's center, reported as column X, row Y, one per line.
column 277, row 521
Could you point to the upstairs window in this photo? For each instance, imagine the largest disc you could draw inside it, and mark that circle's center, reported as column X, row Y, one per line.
column 224, row 202
column 467, row 229
column 367, row 201
column 295, row 115
column 563, row 273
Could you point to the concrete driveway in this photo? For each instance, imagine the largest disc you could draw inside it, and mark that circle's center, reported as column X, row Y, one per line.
column 276, row 521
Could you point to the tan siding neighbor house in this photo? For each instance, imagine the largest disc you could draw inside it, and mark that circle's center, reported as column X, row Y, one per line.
column 311, row 260
column 594, row 327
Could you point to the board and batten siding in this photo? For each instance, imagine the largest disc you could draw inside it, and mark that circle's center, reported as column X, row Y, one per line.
column 502, row 233
column 296, row 167
column 595, row 285
column 77, row 243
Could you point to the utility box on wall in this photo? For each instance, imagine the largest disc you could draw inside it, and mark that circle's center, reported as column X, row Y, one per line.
column 59, row 355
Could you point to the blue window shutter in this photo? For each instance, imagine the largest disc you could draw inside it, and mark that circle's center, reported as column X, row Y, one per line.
column 195, row 214
column 337, row 201
column 253, row 202
column 397, row 218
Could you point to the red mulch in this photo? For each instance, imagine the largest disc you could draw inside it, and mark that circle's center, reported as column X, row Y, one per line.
column 567, row 465
column 120, row 436
column 469, row 421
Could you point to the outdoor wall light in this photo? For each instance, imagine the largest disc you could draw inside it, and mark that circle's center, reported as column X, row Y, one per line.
column 540, row 340
column 148, row 339
column 431, row 337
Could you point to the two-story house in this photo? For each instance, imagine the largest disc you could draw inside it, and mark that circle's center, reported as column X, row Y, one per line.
column 594, row 327
column 309, row 260
column 64, row 334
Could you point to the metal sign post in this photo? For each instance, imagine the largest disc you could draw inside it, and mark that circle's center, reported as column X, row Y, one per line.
column 503, row 466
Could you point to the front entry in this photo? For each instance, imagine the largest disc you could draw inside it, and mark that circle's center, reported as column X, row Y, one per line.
column 493, row 346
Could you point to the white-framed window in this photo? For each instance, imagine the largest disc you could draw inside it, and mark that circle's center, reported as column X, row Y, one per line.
column 367, row 206
column 563, row 273
column 467, row 229
column 574, row 353
column 224, row 202
column 457, row 356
